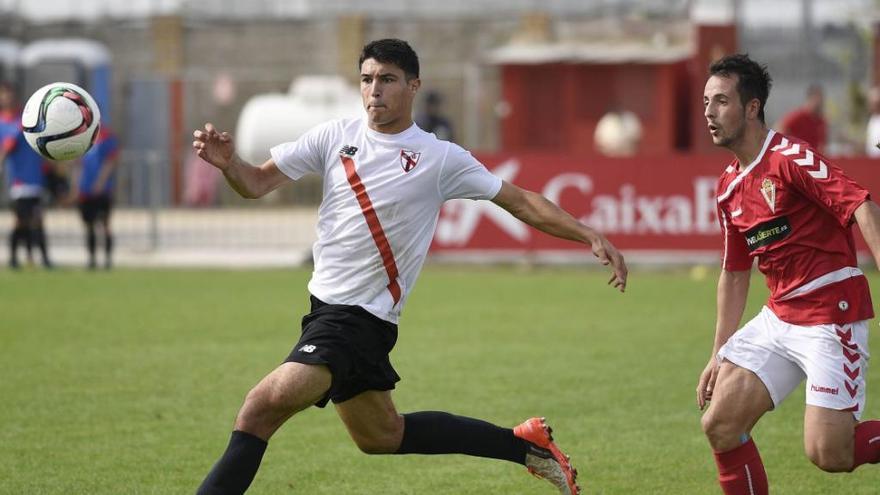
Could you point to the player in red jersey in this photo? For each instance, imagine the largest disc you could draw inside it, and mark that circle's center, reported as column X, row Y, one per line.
column 785, row 204
column 806, row 122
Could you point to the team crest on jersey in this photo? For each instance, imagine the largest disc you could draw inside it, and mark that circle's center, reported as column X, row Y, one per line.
column 409, row 159
column 348, row 150
column 768, row 190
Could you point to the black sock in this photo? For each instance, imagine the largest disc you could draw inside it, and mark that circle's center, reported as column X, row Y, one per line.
column 235, row 471
column 91, row 243
column 108, row 249
column 18, row 234
column 432, row 432
column 28, row 236
column 40, row 238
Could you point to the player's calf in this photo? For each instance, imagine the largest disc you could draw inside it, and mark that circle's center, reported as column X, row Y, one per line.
column 832, row 461
column 382, row 438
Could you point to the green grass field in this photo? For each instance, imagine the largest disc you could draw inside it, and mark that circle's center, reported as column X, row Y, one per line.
column 128, row 382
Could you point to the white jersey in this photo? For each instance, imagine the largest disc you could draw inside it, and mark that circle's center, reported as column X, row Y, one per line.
column 382, row 195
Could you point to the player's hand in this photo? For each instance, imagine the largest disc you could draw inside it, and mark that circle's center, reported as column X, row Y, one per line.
column 707, row 383
column 216, row 148
column 609, row 255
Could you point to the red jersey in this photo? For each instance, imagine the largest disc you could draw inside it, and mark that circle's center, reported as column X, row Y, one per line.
column 793, row 211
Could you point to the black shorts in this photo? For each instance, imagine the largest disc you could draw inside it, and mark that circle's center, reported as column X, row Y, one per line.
column 95, row 208
column 353, row 343
column 25, row 209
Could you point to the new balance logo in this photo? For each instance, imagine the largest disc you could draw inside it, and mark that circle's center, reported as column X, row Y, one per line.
column 348, row 150
column 808, row 161
column 308, row 349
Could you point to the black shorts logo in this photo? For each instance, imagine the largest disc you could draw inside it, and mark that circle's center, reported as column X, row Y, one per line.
column 767, row 233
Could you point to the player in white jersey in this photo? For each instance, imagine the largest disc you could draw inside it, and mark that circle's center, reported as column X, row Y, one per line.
column 384, row 181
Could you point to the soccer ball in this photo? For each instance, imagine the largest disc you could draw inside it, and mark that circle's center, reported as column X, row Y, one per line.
column 60, row 121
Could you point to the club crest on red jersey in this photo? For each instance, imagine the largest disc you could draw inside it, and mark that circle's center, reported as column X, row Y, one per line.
column 768, row 190
column 409, row 159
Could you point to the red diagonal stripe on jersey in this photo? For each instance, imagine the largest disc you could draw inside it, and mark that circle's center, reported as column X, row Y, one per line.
column 852, row 374
column 853, row 408
column 379, row 238
column 852, row 356
column 851, row 389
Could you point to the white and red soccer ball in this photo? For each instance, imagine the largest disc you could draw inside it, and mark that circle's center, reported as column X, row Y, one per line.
column 60, row 121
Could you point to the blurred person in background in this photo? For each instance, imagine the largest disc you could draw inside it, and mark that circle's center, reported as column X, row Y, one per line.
column 200, row 185
column 781, row 202
column 93, row 186
column 26, row 179
column 872, row 133
column 807, row 122
column 385, row 180
column 433, row 120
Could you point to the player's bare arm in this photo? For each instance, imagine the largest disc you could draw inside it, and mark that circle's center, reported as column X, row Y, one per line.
column 541, row 213
column 868, row 217
column 218, row 149
column 733, row 289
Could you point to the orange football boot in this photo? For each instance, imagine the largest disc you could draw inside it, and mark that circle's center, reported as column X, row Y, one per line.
column 544, row 459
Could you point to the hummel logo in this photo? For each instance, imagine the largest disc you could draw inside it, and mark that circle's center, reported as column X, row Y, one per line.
column 824, row 390
column 308, row 349
column 348, row 150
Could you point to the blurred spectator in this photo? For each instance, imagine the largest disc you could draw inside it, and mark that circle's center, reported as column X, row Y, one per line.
column 200, row 181
column 94, row 194
column 872, row 135
column 25, row 179
column 57, row 184
column 807, row 122
column 433, row 120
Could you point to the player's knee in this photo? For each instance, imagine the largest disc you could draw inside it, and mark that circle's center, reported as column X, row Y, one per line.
column 722, row 434
column 831, row 460
column 261, row 405
column 270, row 399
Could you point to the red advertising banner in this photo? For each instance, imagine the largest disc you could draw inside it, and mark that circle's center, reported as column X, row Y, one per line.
column 651, row 207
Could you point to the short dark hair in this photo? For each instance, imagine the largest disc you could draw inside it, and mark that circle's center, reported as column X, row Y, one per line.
column 753, row 79
column 392, row 51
